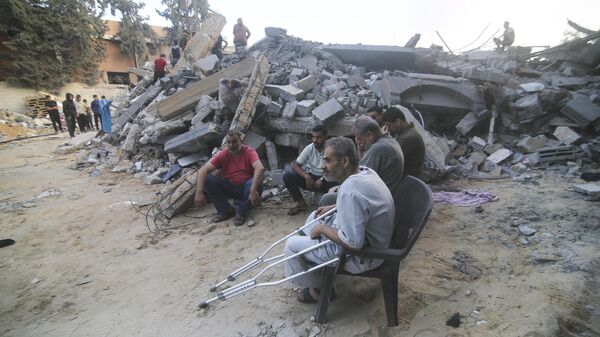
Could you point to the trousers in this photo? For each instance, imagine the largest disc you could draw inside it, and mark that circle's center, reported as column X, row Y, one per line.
column 219, row 190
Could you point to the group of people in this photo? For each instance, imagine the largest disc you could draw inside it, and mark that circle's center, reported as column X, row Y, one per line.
column 79, row 114
column 361, row 179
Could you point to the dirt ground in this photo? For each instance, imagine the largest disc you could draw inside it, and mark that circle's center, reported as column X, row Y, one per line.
column 85, row 264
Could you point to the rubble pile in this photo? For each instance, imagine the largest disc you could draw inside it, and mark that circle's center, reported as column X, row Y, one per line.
column 15, row 125
column 483, row 114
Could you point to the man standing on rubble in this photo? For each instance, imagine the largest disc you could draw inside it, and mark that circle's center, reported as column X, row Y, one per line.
column 160, row 65
column 507, row 38
column 365, row 216
column 184, row 39
column 52, row 109
column 70, row 113
column 240, row 179
column 411, row 142
column 97, row 111
column 241, row 34
column 309, row 177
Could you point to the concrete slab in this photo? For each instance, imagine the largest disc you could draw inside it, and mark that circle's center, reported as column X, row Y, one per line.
column 374, row 57
column 307, row 83
column 528, row 107
column 472, row 120
column 486, row 76
column 530, row 144
column 274, row 108
column 566, row 135
column 592, row 190
column 499, row 156
column 328, row 111
column 288, row 93
column 289, row 110
column 569, row 82
column 254, row 140
column 80, row 140
column 532, row 87
column 581, row 110
column 207, row 64
column 194, row 140
column 305, row 108
column 191, row 159
column 272, row 157
column 132, row 137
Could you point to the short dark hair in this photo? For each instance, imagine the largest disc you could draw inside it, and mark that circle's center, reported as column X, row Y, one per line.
column 343, row 147
column 163, row 55
column 321, row 129
column 103, row 97
column 95, row 96
column 175, row 42
column 48, row 96
column 234, row 132
column 393, row 113
column 365, row 124
column 377, row 109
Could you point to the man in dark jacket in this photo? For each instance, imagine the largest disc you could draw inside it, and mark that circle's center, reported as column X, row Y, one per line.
column 409, row 139
column 70, row 113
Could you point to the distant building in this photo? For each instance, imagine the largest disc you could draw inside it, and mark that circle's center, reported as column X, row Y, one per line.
column 114, row 68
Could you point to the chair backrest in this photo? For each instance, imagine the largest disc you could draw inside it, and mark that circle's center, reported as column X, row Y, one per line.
column 413, row 208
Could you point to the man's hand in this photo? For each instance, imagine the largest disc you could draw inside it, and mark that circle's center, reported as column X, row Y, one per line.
column 318, row 184
column 310, row 183
column 316, row 231
column 200, row 199
column 384, row 129
column 254, row 198
column 323, row 209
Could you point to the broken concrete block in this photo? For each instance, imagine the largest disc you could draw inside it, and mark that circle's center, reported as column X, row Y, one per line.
column 274, row 108
column 491, row 148
column 499, row 156
column 305, row 108
column 298, row 72
column 122, row 166
column 288, row 93
column 328, row 111
column 565, row 135
column 486, row 76
column 592, row 190
column 591, row 53
column 208, row 63
column 477, row 157
column 307, row 83
column 191, row 159
column 275, row 32
column 254, row 140
column 290, row 139
column 477, row 143
column 153, row 179
column 471, row 120
column 530, row 144
column 194, row 140
column 289, row 110
column 581, row 110
column 529, row 107
column 568, row 82
column 558, row 153
column 532, row 87
column 308, row 62
column 203, row 108
column 132, row 136
column 272, row 155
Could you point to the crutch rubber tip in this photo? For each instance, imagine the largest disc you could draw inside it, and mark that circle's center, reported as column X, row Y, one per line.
column 203, row 305
column 213, row 288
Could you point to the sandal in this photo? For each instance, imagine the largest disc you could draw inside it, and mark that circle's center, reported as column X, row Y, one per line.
column 296, row 210
column 222, row 217
column 305, row 296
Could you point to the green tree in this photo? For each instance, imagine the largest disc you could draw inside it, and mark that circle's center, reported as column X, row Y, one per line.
column 184, row 15
column 51, row 41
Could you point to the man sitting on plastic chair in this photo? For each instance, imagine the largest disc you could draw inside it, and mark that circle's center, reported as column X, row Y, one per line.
column 365, row 216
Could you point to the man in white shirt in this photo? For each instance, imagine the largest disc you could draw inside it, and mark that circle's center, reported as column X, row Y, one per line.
column 307, row 172
column 365, row 216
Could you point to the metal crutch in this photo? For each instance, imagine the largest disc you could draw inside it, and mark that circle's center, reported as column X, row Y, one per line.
column 252, row 283
column 261, row 258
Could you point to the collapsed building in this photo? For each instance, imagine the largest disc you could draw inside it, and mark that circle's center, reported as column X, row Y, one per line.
column 482, row 114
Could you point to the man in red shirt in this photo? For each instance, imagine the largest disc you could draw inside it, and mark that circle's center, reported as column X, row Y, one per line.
column 160, row 65
column 241, row 179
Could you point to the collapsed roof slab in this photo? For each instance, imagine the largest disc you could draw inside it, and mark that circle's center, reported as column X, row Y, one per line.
column 429, row 95
column 374, row 57
column 186, row 99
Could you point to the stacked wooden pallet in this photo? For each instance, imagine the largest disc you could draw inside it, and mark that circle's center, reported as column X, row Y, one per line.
column 37, row 107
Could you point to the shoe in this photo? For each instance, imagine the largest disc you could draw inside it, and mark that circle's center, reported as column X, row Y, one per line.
column 222, row 217
column 305, row 296
column 239, row 220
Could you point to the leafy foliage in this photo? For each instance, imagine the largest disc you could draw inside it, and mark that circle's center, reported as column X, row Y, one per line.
column 184, row 15
column 50, row 39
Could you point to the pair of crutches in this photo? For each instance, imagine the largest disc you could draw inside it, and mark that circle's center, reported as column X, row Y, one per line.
column 252, row 283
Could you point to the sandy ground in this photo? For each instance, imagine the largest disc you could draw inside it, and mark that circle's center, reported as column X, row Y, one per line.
column 84, row 263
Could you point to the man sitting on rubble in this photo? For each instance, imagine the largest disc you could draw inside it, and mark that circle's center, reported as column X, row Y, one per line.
column 507, row 38
column 411, row 142
column 241, row 179
column 365, row 216
column 307, row 172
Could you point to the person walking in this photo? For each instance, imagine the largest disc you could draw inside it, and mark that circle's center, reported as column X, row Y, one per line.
column 70, row 113
column 52, row 109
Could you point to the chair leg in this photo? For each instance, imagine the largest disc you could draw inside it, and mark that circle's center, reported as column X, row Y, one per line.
column 326, row 286
column 389, row 285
